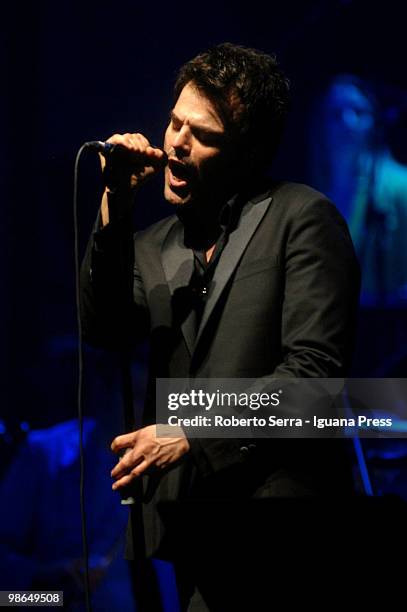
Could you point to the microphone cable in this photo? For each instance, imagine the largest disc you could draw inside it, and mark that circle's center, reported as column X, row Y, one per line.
column 104, row 148
column 85, row 550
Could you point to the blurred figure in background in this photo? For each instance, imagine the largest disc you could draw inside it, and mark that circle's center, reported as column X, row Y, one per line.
column 358, row 156
column 352, row 160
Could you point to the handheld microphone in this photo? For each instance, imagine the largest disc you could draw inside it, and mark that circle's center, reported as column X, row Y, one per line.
column 105, row 148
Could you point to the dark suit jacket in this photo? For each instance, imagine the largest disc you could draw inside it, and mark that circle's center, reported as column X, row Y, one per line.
column 282, row 303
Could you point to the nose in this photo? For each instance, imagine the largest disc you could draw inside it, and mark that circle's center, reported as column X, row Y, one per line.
column 181, row 142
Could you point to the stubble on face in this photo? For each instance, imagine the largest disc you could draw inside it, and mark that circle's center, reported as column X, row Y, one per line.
column 195, row 142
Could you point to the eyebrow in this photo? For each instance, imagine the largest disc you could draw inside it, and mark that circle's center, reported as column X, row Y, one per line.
column 201, row 128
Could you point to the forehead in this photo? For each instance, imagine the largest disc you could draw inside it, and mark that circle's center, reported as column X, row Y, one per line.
column 195, row 108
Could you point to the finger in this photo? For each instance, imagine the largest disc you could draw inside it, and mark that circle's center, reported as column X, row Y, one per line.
column 118, row 139
column 133, row 142
column 140, row 468
column 124, row 441
column 122, row 482
column 157, row 154
column 126, row 464
column 141, row 140
column 137, row 143
column 128, row 478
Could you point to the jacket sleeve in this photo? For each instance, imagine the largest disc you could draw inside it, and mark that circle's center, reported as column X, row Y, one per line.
column 113, row 305
column 321, row 295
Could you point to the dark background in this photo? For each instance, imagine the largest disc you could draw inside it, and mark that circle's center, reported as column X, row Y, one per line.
column 80, row 71
column 73, row 72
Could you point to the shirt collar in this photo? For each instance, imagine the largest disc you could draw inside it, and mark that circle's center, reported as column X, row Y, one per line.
column 228, row 211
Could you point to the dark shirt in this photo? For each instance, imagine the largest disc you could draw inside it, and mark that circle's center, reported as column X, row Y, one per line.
column 204, row 269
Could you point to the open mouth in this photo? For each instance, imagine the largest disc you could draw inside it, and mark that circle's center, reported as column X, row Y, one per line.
column 178, row 173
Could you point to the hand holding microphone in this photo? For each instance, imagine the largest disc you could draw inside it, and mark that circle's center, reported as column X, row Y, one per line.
column 130, row 159
column 127, row 161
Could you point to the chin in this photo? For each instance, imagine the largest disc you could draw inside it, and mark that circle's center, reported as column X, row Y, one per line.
column 176, row 199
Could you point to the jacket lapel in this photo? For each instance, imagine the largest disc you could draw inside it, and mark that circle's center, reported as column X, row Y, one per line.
column 178, row 266
column 252, row 214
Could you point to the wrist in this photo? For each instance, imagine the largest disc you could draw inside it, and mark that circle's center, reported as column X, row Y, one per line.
column 116, row 204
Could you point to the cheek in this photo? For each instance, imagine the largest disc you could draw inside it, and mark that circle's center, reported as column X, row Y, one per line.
column 210, row 166
column 166, row 139
column 205, row 157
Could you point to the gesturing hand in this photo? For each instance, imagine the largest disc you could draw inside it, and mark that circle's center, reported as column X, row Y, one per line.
column 144, row 451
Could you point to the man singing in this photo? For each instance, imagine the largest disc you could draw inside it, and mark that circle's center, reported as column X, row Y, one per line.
column 247, row 278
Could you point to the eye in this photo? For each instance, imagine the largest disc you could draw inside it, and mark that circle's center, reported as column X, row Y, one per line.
column 175, row 123
column 210, row 139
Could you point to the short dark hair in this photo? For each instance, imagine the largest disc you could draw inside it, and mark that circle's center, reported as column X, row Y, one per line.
column 249, row 91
